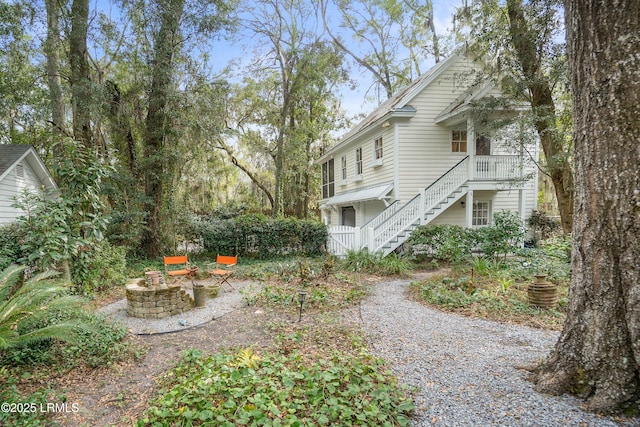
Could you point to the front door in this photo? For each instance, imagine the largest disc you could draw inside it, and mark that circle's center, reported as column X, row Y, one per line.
column 483, row 146
column 349, row 216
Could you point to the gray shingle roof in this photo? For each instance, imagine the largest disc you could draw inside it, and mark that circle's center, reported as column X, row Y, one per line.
column 9, row 154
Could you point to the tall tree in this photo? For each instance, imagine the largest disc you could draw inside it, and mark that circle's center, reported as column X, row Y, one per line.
column 166, row 43
column 53, row 45
column 294, row 67
column 176, row 21
column 518, row 44
column 23, row 105
column 598, row 353
column 390, row 39
column 81, row 85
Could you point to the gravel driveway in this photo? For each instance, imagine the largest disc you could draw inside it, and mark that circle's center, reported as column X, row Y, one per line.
column 464, row 368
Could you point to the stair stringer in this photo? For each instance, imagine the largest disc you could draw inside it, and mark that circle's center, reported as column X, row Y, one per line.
column 428, row 217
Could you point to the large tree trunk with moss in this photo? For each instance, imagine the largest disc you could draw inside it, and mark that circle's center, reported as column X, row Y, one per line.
column 81, row 86
column 52, row 52
column 598, row 353
column 158, row 164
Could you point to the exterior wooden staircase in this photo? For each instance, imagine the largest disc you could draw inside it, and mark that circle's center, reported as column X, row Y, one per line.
column 422, row 209
column 391, row 228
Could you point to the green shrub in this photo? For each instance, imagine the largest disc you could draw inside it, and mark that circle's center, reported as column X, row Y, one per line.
column 35, row 313
column 259, row 236
column 552, row 258
column 279, row 390
column 539, row 222
column 11, row 238
column 60, row 229
column 100, row 267
column 99, row 343
column 450, row 243
column 504, row 236
column 23, row 304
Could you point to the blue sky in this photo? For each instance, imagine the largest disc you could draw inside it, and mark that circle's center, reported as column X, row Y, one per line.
column 353, row 101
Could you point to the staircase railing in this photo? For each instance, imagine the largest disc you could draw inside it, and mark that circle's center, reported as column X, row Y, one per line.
column 415, row 210
column 442, row 187
column 377, row 220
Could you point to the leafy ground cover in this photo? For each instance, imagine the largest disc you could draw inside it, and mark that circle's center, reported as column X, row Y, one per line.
column 273, row 388
column 318, row 371
column 491, row 289
column 260, row 348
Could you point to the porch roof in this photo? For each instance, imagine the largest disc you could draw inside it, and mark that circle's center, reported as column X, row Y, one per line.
column 378, row 192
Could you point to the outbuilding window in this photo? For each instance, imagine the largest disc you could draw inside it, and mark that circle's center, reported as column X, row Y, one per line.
column 328, row 181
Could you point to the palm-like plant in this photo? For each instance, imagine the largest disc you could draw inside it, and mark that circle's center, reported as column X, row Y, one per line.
column 33, row 301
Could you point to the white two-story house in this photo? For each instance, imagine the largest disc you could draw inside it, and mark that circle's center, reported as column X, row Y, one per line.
column 427, row 155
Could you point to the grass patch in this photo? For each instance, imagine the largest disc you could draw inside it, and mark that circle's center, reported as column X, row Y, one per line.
column 375, row 263
column 278, row 389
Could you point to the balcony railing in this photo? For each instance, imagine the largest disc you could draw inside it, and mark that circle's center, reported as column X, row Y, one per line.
column 497, row 167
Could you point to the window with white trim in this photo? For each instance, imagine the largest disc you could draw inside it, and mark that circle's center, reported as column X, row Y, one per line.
column 359, row 161
column 458, row 141
column 481, row 213
column 328, row 185
column 377, row 148
column 343, row 167
column 20, row 171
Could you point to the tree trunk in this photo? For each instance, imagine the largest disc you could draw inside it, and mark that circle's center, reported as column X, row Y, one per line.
column 122, row 132
column 598, row 353
column 80, row 73
column 543, row 108
column 52, row 52
column 158, row 165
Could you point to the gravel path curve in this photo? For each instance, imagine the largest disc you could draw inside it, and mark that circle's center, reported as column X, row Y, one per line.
column 465, row 368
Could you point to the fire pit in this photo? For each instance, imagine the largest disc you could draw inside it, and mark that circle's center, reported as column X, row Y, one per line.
column 152, row 298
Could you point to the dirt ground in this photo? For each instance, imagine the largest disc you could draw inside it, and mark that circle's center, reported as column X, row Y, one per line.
column 117, row 397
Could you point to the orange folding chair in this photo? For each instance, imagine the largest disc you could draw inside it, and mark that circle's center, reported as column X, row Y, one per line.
column 225, row 268
column 180, row 272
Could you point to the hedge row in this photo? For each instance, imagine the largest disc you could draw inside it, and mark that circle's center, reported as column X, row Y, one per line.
column 259, row 236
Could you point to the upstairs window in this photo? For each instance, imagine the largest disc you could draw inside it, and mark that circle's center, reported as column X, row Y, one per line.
column 459, row 141
column 20, row 171
column 377, row 148
column 359, row 161
column 328, row 185
column 343, row 168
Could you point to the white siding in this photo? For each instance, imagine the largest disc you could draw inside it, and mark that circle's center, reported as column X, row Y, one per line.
column 371, row 175
column 425, row 147
column 424, row 152
column 13, row 186
column 500, row 200
column 454, row 215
